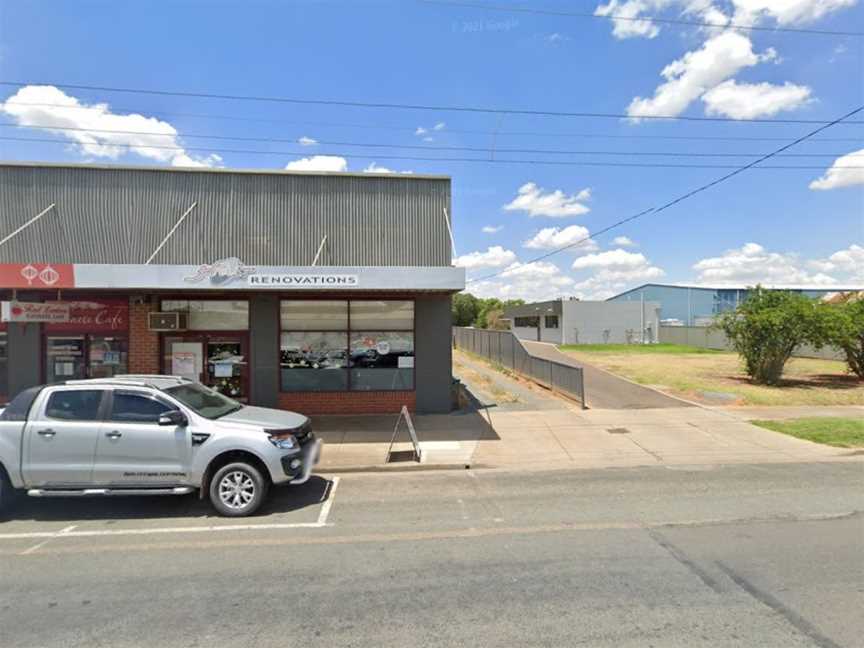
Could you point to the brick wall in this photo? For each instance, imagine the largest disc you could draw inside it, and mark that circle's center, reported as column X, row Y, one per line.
column 385, row 402
column 143, row 344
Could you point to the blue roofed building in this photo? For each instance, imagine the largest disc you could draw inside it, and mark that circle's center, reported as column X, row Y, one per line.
column 697, row 305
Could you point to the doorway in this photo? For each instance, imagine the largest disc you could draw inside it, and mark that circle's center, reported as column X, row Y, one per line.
column 218, row 360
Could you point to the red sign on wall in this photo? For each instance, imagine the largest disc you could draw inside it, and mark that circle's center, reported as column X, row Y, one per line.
column 37, row 275
column 94, row 316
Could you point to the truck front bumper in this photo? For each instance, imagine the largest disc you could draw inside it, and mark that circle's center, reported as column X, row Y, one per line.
column 310, row 456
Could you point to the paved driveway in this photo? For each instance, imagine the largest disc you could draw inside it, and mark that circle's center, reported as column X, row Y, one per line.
column 604, row 390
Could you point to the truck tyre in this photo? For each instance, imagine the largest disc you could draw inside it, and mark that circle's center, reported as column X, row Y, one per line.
column 8, row 495
column 237, row 489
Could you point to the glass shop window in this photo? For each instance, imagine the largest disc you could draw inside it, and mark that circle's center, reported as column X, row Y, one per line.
column 382, row 360
column 211, row 314
column 314, row 361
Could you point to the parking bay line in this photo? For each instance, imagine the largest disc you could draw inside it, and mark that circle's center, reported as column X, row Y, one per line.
column 69, row 532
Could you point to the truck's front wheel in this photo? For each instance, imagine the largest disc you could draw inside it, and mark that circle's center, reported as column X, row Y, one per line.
column 237, row 489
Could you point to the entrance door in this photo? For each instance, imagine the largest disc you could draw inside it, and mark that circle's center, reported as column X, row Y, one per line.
column 218, row 360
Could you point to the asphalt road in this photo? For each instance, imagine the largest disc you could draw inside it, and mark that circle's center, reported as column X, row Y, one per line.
column 731, row 556
column 604, row 390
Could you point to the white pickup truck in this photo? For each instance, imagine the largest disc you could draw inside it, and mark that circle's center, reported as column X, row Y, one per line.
column 150, row 435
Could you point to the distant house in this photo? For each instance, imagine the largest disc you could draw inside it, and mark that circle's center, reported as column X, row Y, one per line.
column 571, row 321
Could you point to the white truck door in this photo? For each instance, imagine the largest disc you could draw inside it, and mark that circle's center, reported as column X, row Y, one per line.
column 133, row 450
column 60, row 439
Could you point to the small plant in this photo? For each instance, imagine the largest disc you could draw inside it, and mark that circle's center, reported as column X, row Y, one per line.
column 767, row 327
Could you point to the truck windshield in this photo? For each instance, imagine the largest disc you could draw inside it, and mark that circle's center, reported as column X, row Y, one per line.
column 206, row 402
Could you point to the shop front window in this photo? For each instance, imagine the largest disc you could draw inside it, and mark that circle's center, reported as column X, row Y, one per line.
column 74, row 357
column 340, row 345
column 4, row 366
column 210, row 314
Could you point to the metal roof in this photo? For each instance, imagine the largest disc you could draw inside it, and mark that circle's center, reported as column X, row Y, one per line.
column 120, row 215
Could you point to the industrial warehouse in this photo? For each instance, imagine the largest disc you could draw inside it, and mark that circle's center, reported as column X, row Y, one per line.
column 318, row 292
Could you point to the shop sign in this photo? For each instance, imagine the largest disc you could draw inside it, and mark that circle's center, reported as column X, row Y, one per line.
column 37, row 275
column 220, row 272
column 94, row 316
column 15, row 311
column 304, row 280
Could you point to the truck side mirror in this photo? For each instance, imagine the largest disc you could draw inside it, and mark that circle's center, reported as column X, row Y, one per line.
column 174, row 417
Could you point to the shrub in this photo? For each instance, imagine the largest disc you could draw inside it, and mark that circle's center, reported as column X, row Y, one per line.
column 767, row 327
column 842, row 325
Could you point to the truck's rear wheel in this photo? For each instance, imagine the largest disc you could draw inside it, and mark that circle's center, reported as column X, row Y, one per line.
column 237, row 489
column 7, row 494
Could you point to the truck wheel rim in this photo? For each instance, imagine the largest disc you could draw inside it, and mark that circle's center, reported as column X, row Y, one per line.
column 236, row 490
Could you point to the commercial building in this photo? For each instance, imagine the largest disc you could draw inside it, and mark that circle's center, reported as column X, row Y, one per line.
column 318, row 292
column 571, row 321
column 697, row 305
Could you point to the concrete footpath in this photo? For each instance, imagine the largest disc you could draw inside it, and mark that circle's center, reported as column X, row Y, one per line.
column 507, row 435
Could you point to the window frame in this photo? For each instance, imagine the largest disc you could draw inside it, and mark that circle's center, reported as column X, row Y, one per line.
column 347, row 332
column 546, row 319
column 109, row 408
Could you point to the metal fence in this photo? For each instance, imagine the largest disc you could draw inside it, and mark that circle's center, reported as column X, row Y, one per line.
column 505, row 349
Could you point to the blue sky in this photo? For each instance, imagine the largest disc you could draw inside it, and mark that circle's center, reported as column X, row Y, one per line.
column 778, row 226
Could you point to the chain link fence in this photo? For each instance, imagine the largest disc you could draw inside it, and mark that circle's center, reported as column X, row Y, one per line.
column 505, row 349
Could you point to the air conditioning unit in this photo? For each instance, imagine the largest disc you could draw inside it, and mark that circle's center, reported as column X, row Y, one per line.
column 167, row 322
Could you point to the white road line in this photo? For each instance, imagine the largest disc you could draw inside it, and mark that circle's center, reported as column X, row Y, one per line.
column 325, row 510
column 161, row 530
column 39, row 545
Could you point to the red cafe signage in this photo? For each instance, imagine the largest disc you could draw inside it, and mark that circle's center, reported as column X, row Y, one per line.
column 37, row 275
column 91, row 316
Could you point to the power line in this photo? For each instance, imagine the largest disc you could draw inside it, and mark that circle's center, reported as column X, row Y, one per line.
column 471, row 149
column 681, row 198
column 406, row 106
column 711, row 138
column 413, row 158
column 638, row 19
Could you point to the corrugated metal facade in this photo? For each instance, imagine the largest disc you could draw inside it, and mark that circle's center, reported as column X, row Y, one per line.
column 120, row 215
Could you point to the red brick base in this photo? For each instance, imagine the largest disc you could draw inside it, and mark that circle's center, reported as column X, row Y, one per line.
column 386, row 402
column 143, row 343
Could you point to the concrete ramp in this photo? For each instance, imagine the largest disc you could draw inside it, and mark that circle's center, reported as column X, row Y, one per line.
column 604, row 390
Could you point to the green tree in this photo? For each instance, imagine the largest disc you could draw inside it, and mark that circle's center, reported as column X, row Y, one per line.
column 841, row 325
column 465, row 309
column 767, row 327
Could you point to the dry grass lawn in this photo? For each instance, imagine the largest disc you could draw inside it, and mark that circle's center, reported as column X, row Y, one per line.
column 718, row 378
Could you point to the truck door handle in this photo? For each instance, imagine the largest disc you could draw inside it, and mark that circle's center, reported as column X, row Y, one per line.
column 46, row 433
column 114, row 435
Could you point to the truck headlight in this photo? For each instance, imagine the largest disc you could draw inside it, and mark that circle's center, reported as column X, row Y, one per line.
column 284, row 442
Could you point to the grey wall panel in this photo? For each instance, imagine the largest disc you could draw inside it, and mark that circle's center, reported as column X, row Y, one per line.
column 24, row 346
column 120, row 215
column 433, row 353
column 264, row 343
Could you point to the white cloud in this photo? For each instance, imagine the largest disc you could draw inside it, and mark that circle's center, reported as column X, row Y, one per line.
column 376, row 168
column 615, row 259
column 494, row 257
column 307, row 141
column 142, row 135
column 556, row 204
column 688, row 78
column 428, row 139
column 492, row 229
column 623, row 241
column 319, row 163
column 751, row 264
column 849, row 261
column 752, row 100
column 537, row 281
column 631, row 9
column 786, row 12
column 550, row 238
column 615, row 270
column 439, row 126
column 420, row 131
column 838, row 176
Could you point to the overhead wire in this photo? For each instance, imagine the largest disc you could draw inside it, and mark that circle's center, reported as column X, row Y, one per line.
column 678, row 199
